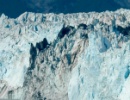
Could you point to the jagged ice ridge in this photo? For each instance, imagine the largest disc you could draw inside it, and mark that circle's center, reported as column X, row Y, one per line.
column 82, row 56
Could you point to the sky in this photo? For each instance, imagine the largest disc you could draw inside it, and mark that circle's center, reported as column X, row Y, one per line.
column 14, row 8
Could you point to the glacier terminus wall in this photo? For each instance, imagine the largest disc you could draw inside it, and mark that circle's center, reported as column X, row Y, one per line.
column 81, row 56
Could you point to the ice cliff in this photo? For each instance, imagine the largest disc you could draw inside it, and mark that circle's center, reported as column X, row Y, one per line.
column 82, row 56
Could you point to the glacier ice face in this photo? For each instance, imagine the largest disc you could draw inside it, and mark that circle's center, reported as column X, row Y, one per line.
column 101, row 75
column 86, row 58
column 16, row 38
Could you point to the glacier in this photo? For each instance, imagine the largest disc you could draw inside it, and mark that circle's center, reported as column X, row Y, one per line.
column 81, row 56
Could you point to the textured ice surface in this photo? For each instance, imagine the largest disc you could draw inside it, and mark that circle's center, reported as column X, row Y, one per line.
column 85, row 64
column 101, row 75
column 15, row 40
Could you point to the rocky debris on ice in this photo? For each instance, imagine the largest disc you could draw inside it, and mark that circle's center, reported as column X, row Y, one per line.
column 82, row 56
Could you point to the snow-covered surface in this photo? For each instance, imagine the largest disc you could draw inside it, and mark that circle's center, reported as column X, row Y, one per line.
column 102, row 70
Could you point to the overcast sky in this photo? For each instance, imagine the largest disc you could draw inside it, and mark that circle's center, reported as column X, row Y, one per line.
column 13, row 8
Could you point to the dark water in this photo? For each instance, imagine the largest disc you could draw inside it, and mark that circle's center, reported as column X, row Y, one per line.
column 13, row 8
